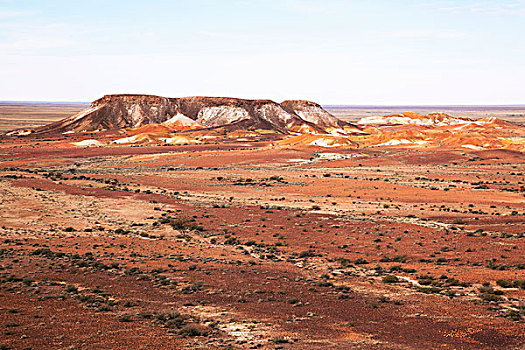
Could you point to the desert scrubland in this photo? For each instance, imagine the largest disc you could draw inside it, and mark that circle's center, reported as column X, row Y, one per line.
column 237, row 238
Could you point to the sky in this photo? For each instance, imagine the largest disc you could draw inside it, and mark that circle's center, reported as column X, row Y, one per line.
column 353, row 52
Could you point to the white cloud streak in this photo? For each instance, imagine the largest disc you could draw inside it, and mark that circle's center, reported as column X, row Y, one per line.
column 500, row 7
column 426, row 34
column 8, row 14
column 29, row 39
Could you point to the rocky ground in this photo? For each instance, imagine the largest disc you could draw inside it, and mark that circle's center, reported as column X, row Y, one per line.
column 242, row 245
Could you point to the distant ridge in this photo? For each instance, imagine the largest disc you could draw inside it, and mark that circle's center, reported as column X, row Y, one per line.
column 132, row 110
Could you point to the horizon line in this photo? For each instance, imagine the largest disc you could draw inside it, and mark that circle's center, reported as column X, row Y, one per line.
column 329, row 105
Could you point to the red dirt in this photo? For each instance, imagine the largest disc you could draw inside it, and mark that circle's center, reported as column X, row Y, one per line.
column 288, row 254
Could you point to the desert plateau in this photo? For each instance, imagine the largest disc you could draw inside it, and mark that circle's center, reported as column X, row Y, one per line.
column 148, row 222
column 262, row 174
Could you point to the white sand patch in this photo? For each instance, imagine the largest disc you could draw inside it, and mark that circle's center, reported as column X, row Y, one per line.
column 488, row 120
column 19, row 133
column 130, row 139
column 181, row 120
column 396, row 142
column 88, row 143
column 477, row 148
column 332, row 156
column 178, row 140
column 325, row 143
column 338, row 132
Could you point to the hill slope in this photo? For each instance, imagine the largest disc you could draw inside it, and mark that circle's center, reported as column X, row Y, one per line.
column 132, row 111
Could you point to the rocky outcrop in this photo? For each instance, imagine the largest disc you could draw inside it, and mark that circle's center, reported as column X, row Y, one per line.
column 313, row 113
column 411, row 118
column 132, row 111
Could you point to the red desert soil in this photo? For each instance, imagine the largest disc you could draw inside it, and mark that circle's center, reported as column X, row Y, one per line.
column 241, row 245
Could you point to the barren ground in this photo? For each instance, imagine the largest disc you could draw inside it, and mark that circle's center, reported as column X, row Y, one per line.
column 242, row 245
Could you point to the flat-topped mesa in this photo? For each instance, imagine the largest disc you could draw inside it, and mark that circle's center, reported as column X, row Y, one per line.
column 135, row 98
column 132, row 111
column 115, row 112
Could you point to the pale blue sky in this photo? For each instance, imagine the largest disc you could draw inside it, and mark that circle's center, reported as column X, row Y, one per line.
column 329, row 51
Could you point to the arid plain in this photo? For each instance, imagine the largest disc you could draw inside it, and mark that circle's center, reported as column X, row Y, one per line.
column 250, row 240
